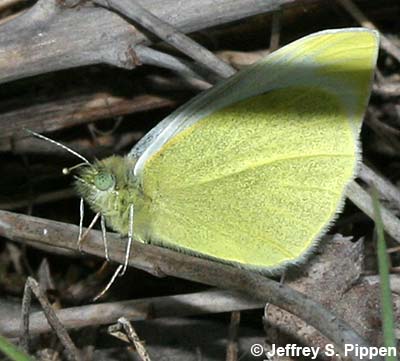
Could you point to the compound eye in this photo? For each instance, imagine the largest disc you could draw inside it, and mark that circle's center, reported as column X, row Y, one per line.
column 104, row 181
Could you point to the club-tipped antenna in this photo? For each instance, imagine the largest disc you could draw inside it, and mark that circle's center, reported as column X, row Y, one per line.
column 67, row 171
column 58, row 144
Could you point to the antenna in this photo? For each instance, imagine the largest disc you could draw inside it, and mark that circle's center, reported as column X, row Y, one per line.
column 67, row 171
column 58, row 144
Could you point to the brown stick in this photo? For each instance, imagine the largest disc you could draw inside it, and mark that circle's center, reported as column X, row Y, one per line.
column 363, row 200
column 170, row 35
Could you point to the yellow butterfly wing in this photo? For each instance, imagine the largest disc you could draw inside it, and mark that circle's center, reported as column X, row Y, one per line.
column 259, row 178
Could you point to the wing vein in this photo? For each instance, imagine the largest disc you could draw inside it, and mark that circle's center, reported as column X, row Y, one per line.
column 266, row 163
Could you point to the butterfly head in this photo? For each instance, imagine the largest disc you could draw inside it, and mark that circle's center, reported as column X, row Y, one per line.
column 105, row 176
column 108, row 187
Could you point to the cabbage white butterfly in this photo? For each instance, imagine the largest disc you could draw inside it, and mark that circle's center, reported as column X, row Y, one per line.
column 253, row 171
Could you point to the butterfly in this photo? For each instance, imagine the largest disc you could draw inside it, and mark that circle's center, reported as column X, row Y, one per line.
column 253, row 171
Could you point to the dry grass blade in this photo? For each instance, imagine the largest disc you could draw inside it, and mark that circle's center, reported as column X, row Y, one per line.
column 388, row 323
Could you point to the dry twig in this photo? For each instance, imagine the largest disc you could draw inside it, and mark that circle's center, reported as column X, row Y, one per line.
column 130, row 336
column 232, row 346
column 32, row 286
column 169, row 34
column 363, row 200
column 385, row 188
column 192, row 304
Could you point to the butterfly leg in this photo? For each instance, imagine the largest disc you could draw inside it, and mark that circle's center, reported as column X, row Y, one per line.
column 81, row 215
column 84, row 235
column 81, row 236
column 130, row 236
column 121, row 268
column 104, row 236
column 109, row 284
column 281, row 281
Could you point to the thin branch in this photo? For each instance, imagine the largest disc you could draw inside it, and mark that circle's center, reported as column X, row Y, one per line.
column 154, row 57
column 134, row 339
column 161, row 261
column 32, row 286
column 385, row 133
column 172, row 36
column 24, row 322
column 232, row 345
column 363, row 200
column 385, row 188
column 387, row 89
column 172, row 83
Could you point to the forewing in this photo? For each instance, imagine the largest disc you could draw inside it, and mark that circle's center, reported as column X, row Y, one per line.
column 340, row 60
